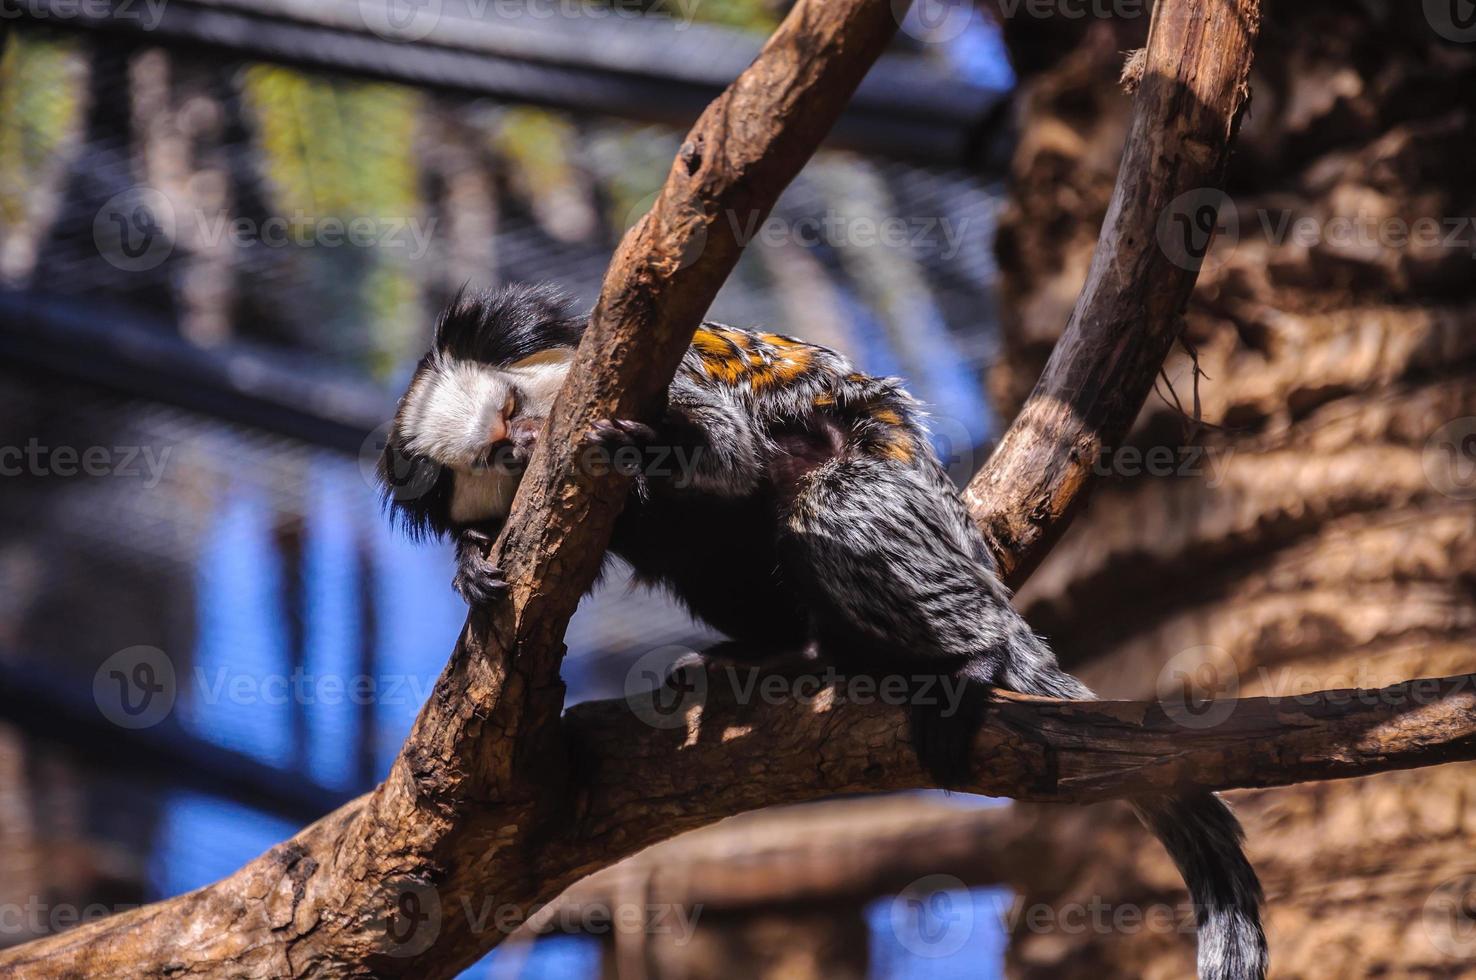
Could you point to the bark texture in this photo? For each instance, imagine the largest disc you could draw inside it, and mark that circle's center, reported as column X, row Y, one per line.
column 468, row 824
column 1192, row 87
column 495, row 806
column 1328, row 536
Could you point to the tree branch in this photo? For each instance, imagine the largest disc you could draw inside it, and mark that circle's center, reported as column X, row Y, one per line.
column 483, row 781
column 803, row 741
column 1029, row 748
column 1194, row 88
column 495, row 803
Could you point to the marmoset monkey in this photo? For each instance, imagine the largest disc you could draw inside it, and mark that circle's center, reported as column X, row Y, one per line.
column 809, row 512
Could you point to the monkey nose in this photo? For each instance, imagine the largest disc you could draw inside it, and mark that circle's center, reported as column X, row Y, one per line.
column 497, row 431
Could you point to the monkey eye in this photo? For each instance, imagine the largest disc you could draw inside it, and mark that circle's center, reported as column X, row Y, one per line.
column 510, row 407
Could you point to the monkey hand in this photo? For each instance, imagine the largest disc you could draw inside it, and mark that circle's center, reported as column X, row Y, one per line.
column 613, row 434
column 478, row 580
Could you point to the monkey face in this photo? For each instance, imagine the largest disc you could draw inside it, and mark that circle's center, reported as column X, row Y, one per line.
column 465, row 414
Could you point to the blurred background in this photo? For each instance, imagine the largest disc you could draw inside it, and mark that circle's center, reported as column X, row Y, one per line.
column 226, row 232
column 225, row 227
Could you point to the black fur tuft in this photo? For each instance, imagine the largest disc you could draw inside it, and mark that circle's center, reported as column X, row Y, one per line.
column 415, row 491
column 504, row 325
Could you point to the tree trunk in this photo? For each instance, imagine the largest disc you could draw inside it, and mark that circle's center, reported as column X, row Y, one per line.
column 1323, row 536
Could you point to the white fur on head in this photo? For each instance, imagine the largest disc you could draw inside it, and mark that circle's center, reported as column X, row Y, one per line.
column 457, row 409
column 454, row 410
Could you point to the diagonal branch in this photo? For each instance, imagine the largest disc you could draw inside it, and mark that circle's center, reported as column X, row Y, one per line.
column 1194, row 87
column 483, row 781
column 498, row 803
column 480, row 804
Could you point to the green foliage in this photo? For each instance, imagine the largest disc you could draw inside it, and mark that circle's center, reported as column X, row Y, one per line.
column 40, row 109
column 332, row 148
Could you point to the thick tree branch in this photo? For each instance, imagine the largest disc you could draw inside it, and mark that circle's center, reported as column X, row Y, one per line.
column 736, row 752
column 482, row 783
column 1057, row 751
column 1188, row 105
column 496, row 803
column 479, row 806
